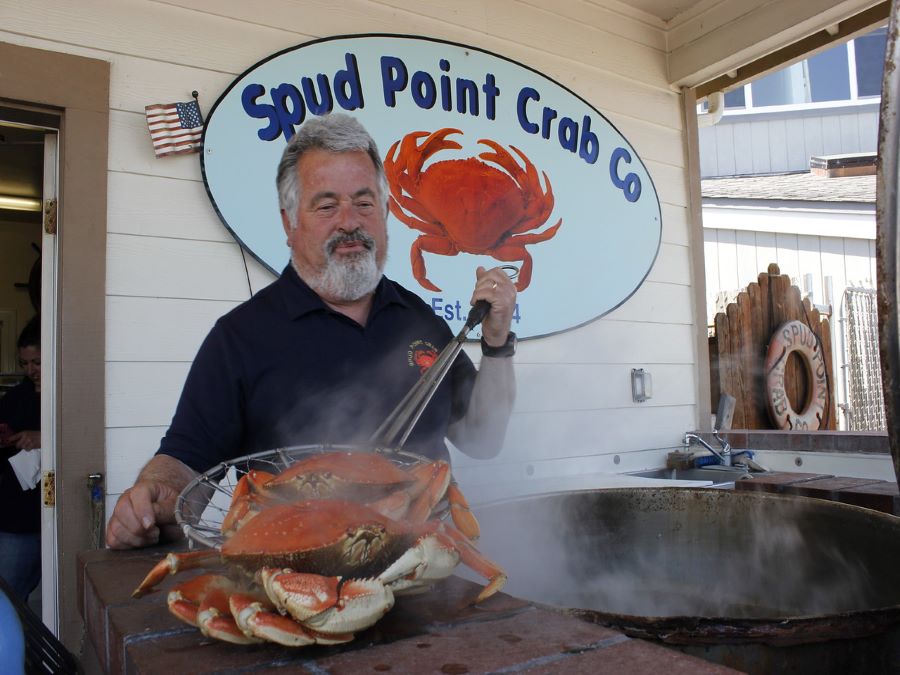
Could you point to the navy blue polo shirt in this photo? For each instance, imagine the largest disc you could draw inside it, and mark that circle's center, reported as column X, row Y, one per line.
column 284, row 369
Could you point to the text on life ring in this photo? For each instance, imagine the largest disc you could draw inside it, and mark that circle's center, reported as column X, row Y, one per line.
column 795, row 336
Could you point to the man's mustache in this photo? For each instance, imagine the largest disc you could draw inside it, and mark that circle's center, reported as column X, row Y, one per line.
column 349, row 237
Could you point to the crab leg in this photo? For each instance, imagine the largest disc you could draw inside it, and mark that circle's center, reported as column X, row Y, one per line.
column 203, row 602
column 514, row 249
column 172, row 564
column 431, row 484
column 474, row 559
column 462, row 515
column 431, row 244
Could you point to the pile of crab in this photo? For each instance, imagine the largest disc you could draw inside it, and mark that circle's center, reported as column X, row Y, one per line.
column 316, row 553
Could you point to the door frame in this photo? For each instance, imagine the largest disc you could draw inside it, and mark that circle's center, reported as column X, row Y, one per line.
column 78, row 88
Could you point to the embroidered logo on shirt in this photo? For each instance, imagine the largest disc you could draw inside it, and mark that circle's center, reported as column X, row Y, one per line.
column 421, row 355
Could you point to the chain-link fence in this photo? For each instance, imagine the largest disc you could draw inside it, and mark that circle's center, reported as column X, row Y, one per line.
column 864, row 406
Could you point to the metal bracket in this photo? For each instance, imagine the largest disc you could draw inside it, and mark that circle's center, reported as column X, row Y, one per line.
column 49, row 489
column 50, row 216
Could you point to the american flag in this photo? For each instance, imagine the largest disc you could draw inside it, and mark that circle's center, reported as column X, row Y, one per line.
column 175, row 128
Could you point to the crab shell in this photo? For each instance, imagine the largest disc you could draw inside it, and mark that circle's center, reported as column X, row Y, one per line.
column 361, row 476
column 401, row 494
column 328, row 537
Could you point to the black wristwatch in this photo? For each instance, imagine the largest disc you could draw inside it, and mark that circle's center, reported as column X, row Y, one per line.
column 507, row 349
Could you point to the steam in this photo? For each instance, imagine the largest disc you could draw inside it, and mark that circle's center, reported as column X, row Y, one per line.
column 716, row 558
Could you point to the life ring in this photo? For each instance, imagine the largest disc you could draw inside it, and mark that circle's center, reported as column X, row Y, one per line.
column 795, row 336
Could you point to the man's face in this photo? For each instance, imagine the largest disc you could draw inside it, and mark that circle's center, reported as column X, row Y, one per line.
column 338, row 197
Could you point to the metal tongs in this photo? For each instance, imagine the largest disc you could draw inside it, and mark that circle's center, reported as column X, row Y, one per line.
column 397, row 427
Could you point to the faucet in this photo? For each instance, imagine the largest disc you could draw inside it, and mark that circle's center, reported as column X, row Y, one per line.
column 724, row 454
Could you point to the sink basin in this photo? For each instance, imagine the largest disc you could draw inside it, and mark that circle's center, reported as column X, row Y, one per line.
column 716, row 474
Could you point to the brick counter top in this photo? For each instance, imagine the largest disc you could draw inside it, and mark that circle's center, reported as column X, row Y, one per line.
column 432, row 632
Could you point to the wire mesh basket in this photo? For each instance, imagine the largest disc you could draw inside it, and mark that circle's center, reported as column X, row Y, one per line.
column 204, row 502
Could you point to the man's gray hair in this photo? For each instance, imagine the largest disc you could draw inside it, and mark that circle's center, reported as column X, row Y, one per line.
column 335, row 132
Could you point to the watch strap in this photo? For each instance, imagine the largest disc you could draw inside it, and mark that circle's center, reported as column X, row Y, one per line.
column 507, row 349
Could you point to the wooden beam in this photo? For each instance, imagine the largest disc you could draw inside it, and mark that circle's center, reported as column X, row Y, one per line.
column 847, row 29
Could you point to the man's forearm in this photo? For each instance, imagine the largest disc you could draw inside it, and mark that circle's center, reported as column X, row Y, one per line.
column 168, row 470
column 482, row 431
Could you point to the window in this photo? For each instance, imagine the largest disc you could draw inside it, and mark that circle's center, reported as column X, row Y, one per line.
column 870, row 52
column 828, row 75
column 784, row 87
column 846, row 72
column 735, row 98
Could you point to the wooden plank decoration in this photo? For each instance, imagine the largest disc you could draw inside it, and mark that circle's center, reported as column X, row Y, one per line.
column 738, row 347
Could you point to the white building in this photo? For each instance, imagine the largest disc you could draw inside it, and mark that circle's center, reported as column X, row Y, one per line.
column 140, row 266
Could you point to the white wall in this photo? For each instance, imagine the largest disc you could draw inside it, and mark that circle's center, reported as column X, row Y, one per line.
column 774, row 142
column 172, row 268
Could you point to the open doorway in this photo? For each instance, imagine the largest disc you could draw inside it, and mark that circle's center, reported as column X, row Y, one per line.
column 28, row 199
column 76, row 90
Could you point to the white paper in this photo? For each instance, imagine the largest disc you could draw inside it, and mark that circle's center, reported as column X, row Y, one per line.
column 27, row 467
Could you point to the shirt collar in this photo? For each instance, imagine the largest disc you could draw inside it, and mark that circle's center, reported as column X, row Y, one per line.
column 300, row 299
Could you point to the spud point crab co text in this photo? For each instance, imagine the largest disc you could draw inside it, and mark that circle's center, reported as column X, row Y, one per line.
column 286, row 105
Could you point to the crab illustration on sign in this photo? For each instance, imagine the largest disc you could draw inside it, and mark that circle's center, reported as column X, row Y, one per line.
column 468, row 205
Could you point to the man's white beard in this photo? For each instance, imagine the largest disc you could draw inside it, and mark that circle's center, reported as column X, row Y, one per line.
column 345, row 278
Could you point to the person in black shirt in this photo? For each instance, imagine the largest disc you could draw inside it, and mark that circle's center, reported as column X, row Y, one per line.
column 20, row 509
column 325, row 352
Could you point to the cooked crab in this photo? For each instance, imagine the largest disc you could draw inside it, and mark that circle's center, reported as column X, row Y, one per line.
column 331, row 566
column 408, row 494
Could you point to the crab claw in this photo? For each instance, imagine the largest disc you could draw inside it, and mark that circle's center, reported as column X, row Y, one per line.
column 435, row 555
column 327, row 604
column 431, row 558
column 255, row 615
column 247, row 497
column 172, row 564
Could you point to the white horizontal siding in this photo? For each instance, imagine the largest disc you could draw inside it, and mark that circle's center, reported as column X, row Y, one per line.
column 784, row 141
column 172, row 268
column 735, row 258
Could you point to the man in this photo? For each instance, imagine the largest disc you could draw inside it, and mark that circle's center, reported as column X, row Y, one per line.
column 325, row 352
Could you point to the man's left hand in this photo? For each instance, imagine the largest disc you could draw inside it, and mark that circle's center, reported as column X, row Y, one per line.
column 497, row 289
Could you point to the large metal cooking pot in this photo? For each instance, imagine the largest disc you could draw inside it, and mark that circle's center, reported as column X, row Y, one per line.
column 760, row 582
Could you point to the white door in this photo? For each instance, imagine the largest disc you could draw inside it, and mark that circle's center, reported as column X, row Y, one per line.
column 49, row 578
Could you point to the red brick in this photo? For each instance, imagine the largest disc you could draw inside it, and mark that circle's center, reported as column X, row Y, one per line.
column 634, row 657
column 477, row 646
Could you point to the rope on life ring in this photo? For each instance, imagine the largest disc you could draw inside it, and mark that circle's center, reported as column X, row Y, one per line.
column 795, row 336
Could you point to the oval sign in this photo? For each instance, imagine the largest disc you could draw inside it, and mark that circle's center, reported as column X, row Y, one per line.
column 545, row 182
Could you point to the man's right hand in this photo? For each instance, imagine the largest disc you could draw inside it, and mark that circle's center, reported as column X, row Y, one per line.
column 145, row 512
column 142, row 510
